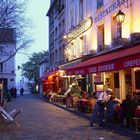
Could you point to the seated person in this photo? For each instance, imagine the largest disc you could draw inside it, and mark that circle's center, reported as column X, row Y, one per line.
column 128, row 107
column 84, row 95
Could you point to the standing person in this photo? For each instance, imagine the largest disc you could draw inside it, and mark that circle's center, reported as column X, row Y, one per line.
column 15, row 92
column 12, row 92
column 21, row 91
column 100, row 107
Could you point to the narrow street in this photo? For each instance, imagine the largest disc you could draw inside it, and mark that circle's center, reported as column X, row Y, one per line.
column 44, row 121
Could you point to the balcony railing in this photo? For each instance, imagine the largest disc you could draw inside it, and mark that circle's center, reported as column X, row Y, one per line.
column 124, row 42
column 102, row 47
column 135, row 38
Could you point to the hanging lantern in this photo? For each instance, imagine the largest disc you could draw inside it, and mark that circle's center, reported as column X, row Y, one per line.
column 120, row 17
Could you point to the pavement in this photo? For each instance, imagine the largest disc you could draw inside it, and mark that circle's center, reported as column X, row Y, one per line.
column 50, row 121
column 116, row 127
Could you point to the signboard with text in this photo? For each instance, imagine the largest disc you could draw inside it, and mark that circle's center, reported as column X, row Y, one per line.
column 118, row 64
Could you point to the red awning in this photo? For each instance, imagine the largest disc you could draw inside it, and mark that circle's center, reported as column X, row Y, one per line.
column 50, row 73
column 121, row 59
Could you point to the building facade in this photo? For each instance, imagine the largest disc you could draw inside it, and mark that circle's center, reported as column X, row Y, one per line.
column 43, row 68
column 93, row 30
column 7, row 67
column 56, row 14
column 99, row 48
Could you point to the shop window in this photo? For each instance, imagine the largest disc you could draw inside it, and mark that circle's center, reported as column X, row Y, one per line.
column 128, row 82
column 116, row 80
column 137, row 79
column 101, row 45
column 100, row 3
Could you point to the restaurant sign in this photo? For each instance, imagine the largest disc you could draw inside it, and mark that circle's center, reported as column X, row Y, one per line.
column 118, row 64
column 105, row 11
column 81, row 28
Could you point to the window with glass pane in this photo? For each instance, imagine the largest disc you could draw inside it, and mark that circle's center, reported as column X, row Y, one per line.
column 100, row 3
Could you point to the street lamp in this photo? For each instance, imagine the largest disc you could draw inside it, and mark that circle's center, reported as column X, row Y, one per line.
column 120, row 17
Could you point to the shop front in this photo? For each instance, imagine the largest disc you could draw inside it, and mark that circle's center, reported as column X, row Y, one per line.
column 53, row 83
column 119, row 70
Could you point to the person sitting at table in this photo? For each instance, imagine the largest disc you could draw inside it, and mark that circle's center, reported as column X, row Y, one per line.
column 111, row 112
column 128, row 107
column 136, row 97
column 69, row 100
column 84, row 94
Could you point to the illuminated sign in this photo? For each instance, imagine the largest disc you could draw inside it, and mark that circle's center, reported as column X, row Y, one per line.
column 109, row 9
column 84, row 25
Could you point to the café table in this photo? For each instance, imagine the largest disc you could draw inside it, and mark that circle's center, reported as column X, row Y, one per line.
column 137, row 112
column 82, row 103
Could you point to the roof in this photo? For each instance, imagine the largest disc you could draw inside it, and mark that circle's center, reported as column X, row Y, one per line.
column 51, row 7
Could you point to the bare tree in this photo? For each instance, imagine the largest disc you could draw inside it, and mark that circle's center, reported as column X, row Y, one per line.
column 12, row 16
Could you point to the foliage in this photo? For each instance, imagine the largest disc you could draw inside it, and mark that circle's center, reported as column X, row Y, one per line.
column 30, row 69
column 75, row 90
column 12, row 17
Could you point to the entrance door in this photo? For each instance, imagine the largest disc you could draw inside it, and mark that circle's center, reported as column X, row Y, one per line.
column 116, row 85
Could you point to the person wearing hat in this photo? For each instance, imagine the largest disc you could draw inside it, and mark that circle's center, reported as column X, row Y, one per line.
column 99, row 108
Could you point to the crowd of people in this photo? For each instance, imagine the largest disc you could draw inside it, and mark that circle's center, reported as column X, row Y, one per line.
column 110, row 108
column 13, row 93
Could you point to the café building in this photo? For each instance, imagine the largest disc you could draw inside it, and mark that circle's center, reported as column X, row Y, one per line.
column 107, row 39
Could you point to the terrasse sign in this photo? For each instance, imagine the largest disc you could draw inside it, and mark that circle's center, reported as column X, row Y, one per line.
column 81, row 28
column 109, row 9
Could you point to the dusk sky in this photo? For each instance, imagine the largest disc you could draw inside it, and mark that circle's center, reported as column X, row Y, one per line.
column 36, row 11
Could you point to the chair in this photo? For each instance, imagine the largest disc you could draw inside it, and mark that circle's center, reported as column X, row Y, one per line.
column 88, row 107
column 75, row 102
column 8, row 118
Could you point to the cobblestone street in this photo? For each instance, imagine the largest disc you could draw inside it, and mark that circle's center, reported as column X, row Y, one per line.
column 44, row 121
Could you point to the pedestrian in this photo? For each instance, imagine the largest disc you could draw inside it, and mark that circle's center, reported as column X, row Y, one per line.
column 99, row 108
column 21, row 91
column 12, row 92
column 15, row 92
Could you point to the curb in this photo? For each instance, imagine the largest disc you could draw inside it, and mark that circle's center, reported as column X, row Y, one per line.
column 80, row 114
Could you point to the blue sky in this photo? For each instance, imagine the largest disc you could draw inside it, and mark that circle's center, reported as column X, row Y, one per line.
column 36, row 11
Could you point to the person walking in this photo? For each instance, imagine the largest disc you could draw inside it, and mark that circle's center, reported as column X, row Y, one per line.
column 99, row 109
column 21, row 91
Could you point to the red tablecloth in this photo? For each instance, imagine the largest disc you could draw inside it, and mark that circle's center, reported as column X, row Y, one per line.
column 137, row 112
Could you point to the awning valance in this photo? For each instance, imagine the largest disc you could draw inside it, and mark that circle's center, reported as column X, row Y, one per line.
column 122, row 59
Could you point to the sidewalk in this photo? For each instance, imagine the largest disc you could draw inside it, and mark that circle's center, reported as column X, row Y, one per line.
column 116, row 128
